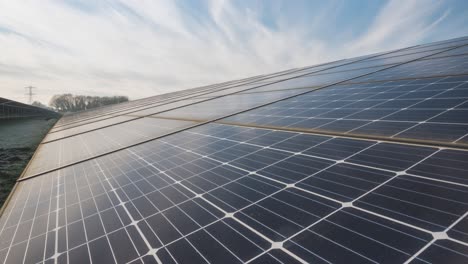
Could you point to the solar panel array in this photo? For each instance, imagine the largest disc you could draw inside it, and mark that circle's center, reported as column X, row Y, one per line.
column 362, row 160
column 10, row 109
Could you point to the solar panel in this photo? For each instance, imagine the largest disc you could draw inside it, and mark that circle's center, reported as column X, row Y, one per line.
column 106, row 121
column 55, row 154
column 426, row 109
column 334, row 166
column 13, row 110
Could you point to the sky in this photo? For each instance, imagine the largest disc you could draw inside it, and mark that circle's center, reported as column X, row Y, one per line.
column 140, row 48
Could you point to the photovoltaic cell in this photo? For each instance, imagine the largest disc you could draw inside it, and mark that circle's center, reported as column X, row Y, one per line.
column 345, row 182
column 219, row 193
column 447, row 165
column 352, row 236
column 460, row 230
column 405, row 198
column 443, row 251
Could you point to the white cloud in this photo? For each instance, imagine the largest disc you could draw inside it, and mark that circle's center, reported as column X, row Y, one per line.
column 398, row 23
column 141, row 48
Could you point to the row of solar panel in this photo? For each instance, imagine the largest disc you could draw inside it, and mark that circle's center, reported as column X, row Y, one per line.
column 404, row 109
column 432, row 109
column 155, row 100
column 101, row 113
column 213, row 88
column 12, row 109
column 106, row 111
column 220, row 193
column 294, row 84
column 294, row 73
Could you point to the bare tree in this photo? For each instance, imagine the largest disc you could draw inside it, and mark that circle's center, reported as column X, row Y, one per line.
column 41, row 105
column 73, row 103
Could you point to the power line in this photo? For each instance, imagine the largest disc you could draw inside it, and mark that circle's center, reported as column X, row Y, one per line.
column 29, row 93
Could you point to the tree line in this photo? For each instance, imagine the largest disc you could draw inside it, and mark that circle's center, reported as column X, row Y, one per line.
column 74, row 103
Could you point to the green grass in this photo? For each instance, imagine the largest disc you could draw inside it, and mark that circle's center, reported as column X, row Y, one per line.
column 19, row 139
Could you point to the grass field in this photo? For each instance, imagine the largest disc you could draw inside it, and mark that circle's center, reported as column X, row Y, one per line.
column 18, row 141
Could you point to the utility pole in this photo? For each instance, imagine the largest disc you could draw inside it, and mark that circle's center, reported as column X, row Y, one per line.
column 29, row 93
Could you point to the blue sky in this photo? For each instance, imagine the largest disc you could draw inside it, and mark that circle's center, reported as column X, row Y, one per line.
column 141, row 48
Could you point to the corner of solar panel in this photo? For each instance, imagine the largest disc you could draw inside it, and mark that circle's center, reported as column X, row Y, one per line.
column 353, row 161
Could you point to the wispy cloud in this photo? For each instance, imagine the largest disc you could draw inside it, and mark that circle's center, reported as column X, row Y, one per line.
column 141, row 48
column 400, row 23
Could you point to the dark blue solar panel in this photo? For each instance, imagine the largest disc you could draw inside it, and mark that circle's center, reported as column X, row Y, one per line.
column 443, row 251
column 353, row 236
column 431, row 110
column 180, row 199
